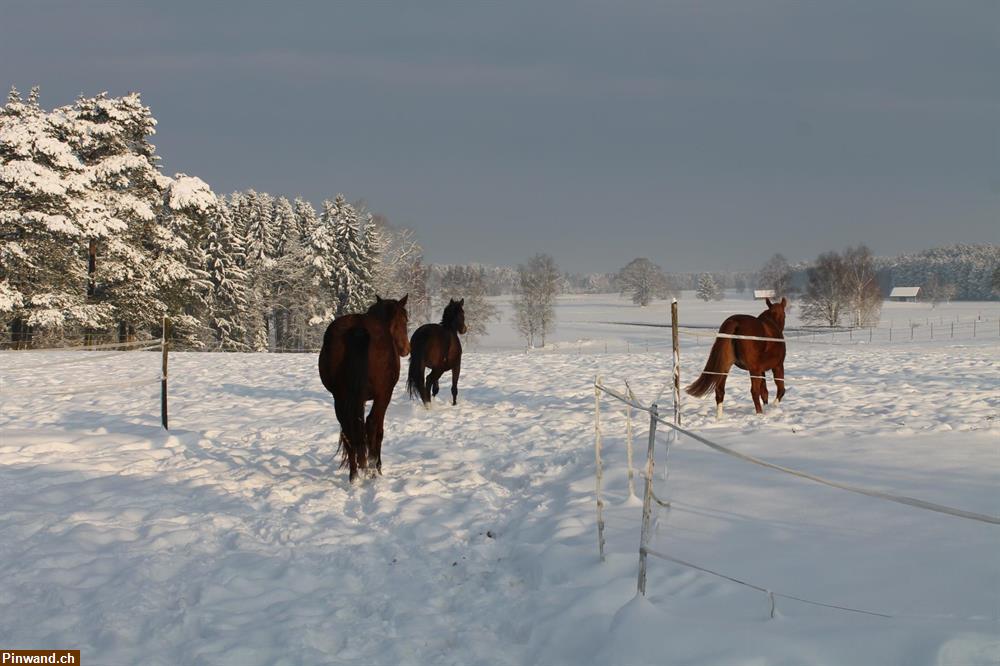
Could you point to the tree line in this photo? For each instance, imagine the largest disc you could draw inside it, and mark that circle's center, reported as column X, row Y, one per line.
column 96, row 242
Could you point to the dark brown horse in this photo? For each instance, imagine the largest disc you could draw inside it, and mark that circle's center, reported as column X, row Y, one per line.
column 755, row 356
column 359, row 362
column 436, row 346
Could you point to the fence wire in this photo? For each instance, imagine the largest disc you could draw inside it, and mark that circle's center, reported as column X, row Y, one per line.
column 878, row 494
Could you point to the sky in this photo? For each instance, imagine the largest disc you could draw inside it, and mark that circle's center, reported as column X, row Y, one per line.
column 703, row 135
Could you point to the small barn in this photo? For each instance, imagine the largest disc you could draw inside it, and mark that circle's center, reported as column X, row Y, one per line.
column 761, row 294
column 904, row 294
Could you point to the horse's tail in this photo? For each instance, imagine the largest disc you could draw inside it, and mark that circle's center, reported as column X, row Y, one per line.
column 326, row 374
column 349, row 401
column 415, row 376
column 720, row 359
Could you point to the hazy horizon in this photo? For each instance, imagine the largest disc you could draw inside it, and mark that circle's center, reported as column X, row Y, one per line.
column 703, row 137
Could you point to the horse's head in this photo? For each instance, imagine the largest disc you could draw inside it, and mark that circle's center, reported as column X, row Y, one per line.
column 454, row 316
column 777, row 311
column 393, row 313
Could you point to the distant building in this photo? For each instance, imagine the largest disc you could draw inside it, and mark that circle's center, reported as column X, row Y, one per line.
column 761, row 294
column 904, row 294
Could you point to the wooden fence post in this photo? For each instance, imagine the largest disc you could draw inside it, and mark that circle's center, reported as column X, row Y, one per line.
column 647, row 501
column 676, row 340
column 165, row 346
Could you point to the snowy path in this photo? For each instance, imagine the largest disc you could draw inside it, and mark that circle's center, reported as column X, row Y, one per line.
column 235, row 538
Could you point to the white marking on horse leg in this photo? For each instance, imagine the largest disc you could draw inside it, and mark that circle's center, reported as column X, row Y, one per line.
column 777, row 401
column 718, row 411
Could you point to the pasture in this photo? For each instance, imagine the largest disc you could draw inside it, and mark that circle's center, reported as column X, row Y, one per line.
column 235, row 538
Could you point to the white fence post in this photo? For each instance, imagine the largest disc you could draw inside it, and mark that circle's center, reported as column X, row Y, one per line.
column 600, row 466
column 628, row 442
column 647, row 501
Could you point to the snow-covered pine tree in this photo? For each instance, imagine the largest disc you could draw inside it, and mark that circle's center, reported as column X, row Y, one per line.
column 326, row 267
column 180, row 263
column 124, row 193
column 227, row 301
column 293, row 298
column 43, row 272
column 350, row 292
column 283, row 226
column 259, row 207
column 239, row 215
column 284, row 232
column 305, row 219
column 372, row 246
column 257, row 245
column 708, row 289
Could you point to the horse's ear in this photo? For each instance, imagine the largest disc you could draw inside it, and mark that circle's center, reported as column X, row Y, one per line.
column 450, row 301
column 768, row 301
column 378, row 299
column 402, row 301
column 462, row 302
column 784, row 301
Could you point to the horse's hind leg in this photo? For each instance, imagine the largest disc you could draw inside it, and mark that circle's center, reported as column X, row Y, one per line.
column 755, row 391
column 432, row 381
column 374, row 426
column 455, row 372
column 779, row 383
column 720, row 394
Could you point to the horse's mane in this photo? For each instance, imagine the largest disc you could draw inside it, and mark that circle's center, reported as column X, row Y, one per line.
column 451, row 311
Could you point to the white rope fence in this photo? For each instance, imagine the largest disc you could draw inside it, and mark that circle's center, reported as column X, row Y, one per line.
column 108, row 345
column 644, row 550
column 84, row 359
column 771, row 594
column 901, row 499
column 35, row 391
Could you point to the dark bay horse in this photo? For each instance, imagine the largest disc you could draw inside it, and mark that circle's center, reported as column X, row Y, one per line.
column 436, row 346
column 755, row 356
column 359, row 361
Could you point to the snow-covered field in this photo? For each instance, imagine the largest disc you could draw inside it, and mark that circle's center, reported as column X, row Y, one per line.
column 234, row 538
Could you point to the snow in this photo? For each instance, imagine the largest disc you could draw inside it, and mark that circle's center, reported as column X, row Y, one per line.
column 192, row 192
column 234, row 538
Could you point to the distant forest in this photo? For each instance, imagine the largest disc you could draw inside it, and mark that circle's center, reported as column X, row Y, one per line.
column 970, row 269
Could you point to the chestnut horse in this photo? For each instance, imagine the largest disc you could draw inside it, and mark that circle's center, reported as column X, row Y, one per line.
column 755, row 356
column 436, row 346
column 359, row 362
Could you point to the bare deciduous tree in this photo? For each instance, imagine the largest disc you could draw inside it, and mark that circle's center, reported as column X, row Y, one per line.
column 775, row 274
column 535, row 298
column 842, row 285
column 644, row 280
column 825, row 294
column 864, row 298
column 937, row 290
column 467, row 282
column 400, row 269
